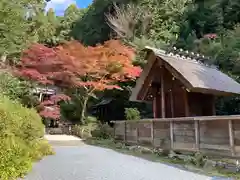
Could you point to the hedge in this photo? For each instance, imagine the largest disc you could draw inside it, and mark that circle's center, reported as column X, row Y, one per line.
column 21, row 139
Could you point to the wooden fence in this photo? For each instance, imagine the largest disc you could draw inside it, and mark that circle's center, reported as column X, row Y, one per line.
column 217, row 135
column 60, row 130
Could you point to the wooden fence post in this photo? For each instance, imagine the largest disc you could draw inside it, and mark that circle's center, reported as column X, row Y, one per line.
column 152, row 132
column 171, row 134
column 231, row 137
column 137, row 131
column 125, row 132
column 197, row 137
column 114, row 130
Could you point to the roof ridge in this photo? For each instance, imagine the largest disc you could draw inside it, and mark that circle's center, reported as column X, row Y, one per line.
column 184, row 58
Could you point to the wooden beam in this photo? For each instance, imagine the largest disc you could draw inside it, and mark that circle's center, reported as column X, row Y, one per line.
column 213, row 146
column 213, row 92
column 187, row 147
column 136, row 91
column 162, row 94
column 147, row 82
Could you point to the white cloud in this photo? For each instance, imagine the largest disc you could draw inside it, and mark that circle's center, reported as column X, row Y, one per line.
column 59, row 5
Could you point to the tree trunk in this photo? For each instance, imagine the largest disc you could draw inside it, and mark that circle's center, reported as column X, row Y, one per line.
column 83, row 111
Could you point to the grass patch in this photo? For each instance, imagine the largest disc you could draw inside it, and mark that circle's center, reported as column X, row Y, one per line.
column 161, row 157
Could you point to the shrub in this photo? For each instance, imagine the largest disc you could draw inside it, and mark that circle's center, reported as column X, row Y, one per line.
column 84, row 131
column 17, row 89
column 96, row 130
column 200, row 159
column 21, row 142
column 132, row 114
column 91, row 119
column 81, row 131
column 103, row 131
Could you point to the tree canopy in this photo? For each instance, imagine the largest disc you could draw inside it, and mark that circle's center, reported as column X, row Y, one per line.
column 72, row 65
column 15, row 28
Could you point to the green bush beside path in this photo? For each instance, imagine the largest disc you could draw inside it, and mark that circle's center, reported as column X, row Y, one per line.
column 21, row 139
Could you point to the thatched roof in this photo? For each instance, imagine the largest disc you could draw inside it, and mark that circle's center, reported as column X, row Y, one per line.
column 196, row 76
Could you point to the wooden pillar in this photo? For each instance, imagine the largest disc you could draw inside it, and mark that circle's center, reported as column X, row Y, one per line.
column 162, row 94
column 40, row 96
column 171, row 122
column 231, row 137
column 197, row 137
column 213, row 106
column 125, row 132
column 114, row 130
column 137, row 133
column 171, row 103
column 186, row 105
column 171, row 135
column 155, row 106
column 152, row 132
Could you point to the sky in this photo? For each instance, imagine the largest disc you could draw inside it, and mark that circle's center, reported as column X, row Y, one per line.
column 60, row 5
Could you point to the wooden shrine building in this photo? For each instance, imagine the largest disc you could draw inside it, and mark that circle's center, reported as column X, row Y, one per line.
column 181, row 86
column 182, row 90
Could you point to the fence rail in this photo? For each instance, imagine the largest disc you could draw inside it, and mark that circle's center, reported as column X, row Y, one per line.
column 217, row 135
column 60, row 130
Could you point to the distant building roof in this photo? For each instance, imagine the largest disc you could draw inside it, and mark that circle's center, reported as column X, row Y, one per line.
column 104, row 102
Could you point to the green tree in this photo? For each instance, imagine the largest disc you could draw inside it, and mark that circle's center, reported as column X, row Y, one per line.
column 45, row 26
column 68, row 22
column 17, row 90
column 92, row 27
column 15, row 32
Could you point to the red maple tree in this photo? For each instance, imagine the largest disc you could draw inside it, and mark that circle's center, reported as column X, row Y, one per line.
column 73, row 65
column 50, row 108
column 52, row 112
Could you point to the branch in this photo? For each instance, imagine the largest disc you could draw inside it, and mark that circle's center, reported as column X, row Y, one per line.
column 124, row 21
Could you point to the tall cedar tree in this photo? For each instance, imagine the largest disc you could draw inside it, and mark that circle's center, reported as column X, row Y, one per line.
column 72, row 65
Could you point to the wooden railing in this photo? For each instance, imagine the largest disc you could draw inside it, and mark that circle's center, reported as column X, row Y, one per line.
column 217, row 135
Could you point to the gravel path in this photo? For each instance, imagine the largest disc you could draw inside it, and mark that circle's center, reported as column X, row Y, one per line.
column 93, row 163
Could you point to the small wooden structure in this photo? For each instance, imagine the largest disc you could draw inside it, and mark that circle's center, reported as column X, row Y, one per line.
column 180, row 86
column 44, row 93
column 104, row 110
column 182, row 91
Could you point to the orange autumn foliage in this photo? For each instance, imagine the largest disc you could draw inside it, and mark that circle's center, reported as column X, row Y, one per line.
column 73, row 65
